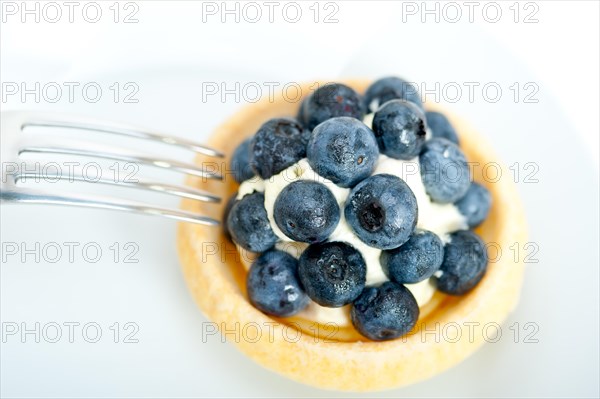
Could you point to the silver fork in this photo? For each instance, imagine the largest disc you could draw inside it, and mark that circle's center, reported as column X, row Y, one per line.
column 13, row 145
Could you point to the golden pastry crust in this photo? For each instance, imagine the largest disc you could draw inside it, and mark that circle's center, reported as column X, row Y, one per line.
column 341, row 359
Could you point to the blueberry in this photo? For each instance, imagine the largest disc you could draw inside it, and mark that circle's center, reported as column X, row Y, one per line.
column 385, row 312
column 391, row 88
column 278, row 144
column 306, row 211
column 475, row 205
column 399, row 127
column 444, row 171
column 465, row 263
column 343, row 150
column 273, row 285
column 440, row 126
column 248, row 224
column 330, row 101
column 382, row 211
column 333, row 273
column 240, row 162
column 226, row 212
column 416, row 260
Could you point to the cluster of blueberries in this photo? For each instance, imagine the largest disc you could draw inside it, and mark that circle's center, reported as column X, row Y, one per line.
column 381, row 209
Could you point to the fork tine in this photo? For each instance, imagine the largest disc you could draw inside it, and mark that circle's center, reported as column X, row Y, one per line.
column 164, row 163
column 119, row 129
column 25, row 196
column 179, row 191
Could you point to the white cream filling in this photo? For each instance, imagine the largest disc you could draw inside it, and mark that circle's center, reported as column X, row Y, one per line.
column 441, row 219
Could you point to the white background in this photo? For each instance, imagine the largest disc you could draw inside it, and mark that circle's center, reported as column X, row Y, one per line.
column 169, row 54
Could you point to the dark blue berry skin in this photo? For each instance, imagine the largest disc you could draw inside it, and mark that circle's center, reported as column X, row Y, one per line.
column 440, row 126
column 248, row 224
column 465, row 263
column 444, row 171
column 391, row 88
column 306, row 211
column 385, row 312
column 333, row 273
column 399, row 127
column 475, row 205
column 226, row 212
column 240, row 162
column 278, row 144
column 382, row 211
column 273, row 285
column 416, row 260
column 343, row 150
column 330, row 101
column 302, row 112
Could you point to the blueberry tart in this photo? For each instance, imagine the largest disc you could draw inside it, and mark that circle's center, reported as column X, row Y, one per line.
column 357, row 231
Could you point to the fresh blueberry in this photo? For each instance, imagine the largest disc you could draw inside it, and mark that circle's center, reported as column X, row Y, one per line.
column 278, row 144
column 440, row 126
column 330, row 101
column 391, row 88
column 333, row 273
column 385, row 312
column 240, row 162
column 444, row 171
column 226, row 212
column 465, row 263
column 399, row 127
column 416, row 260
column 248, row 224
column 475, row 205
column 343, row 150
column 273, row 285
column 382, row 211
column 306, row 211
